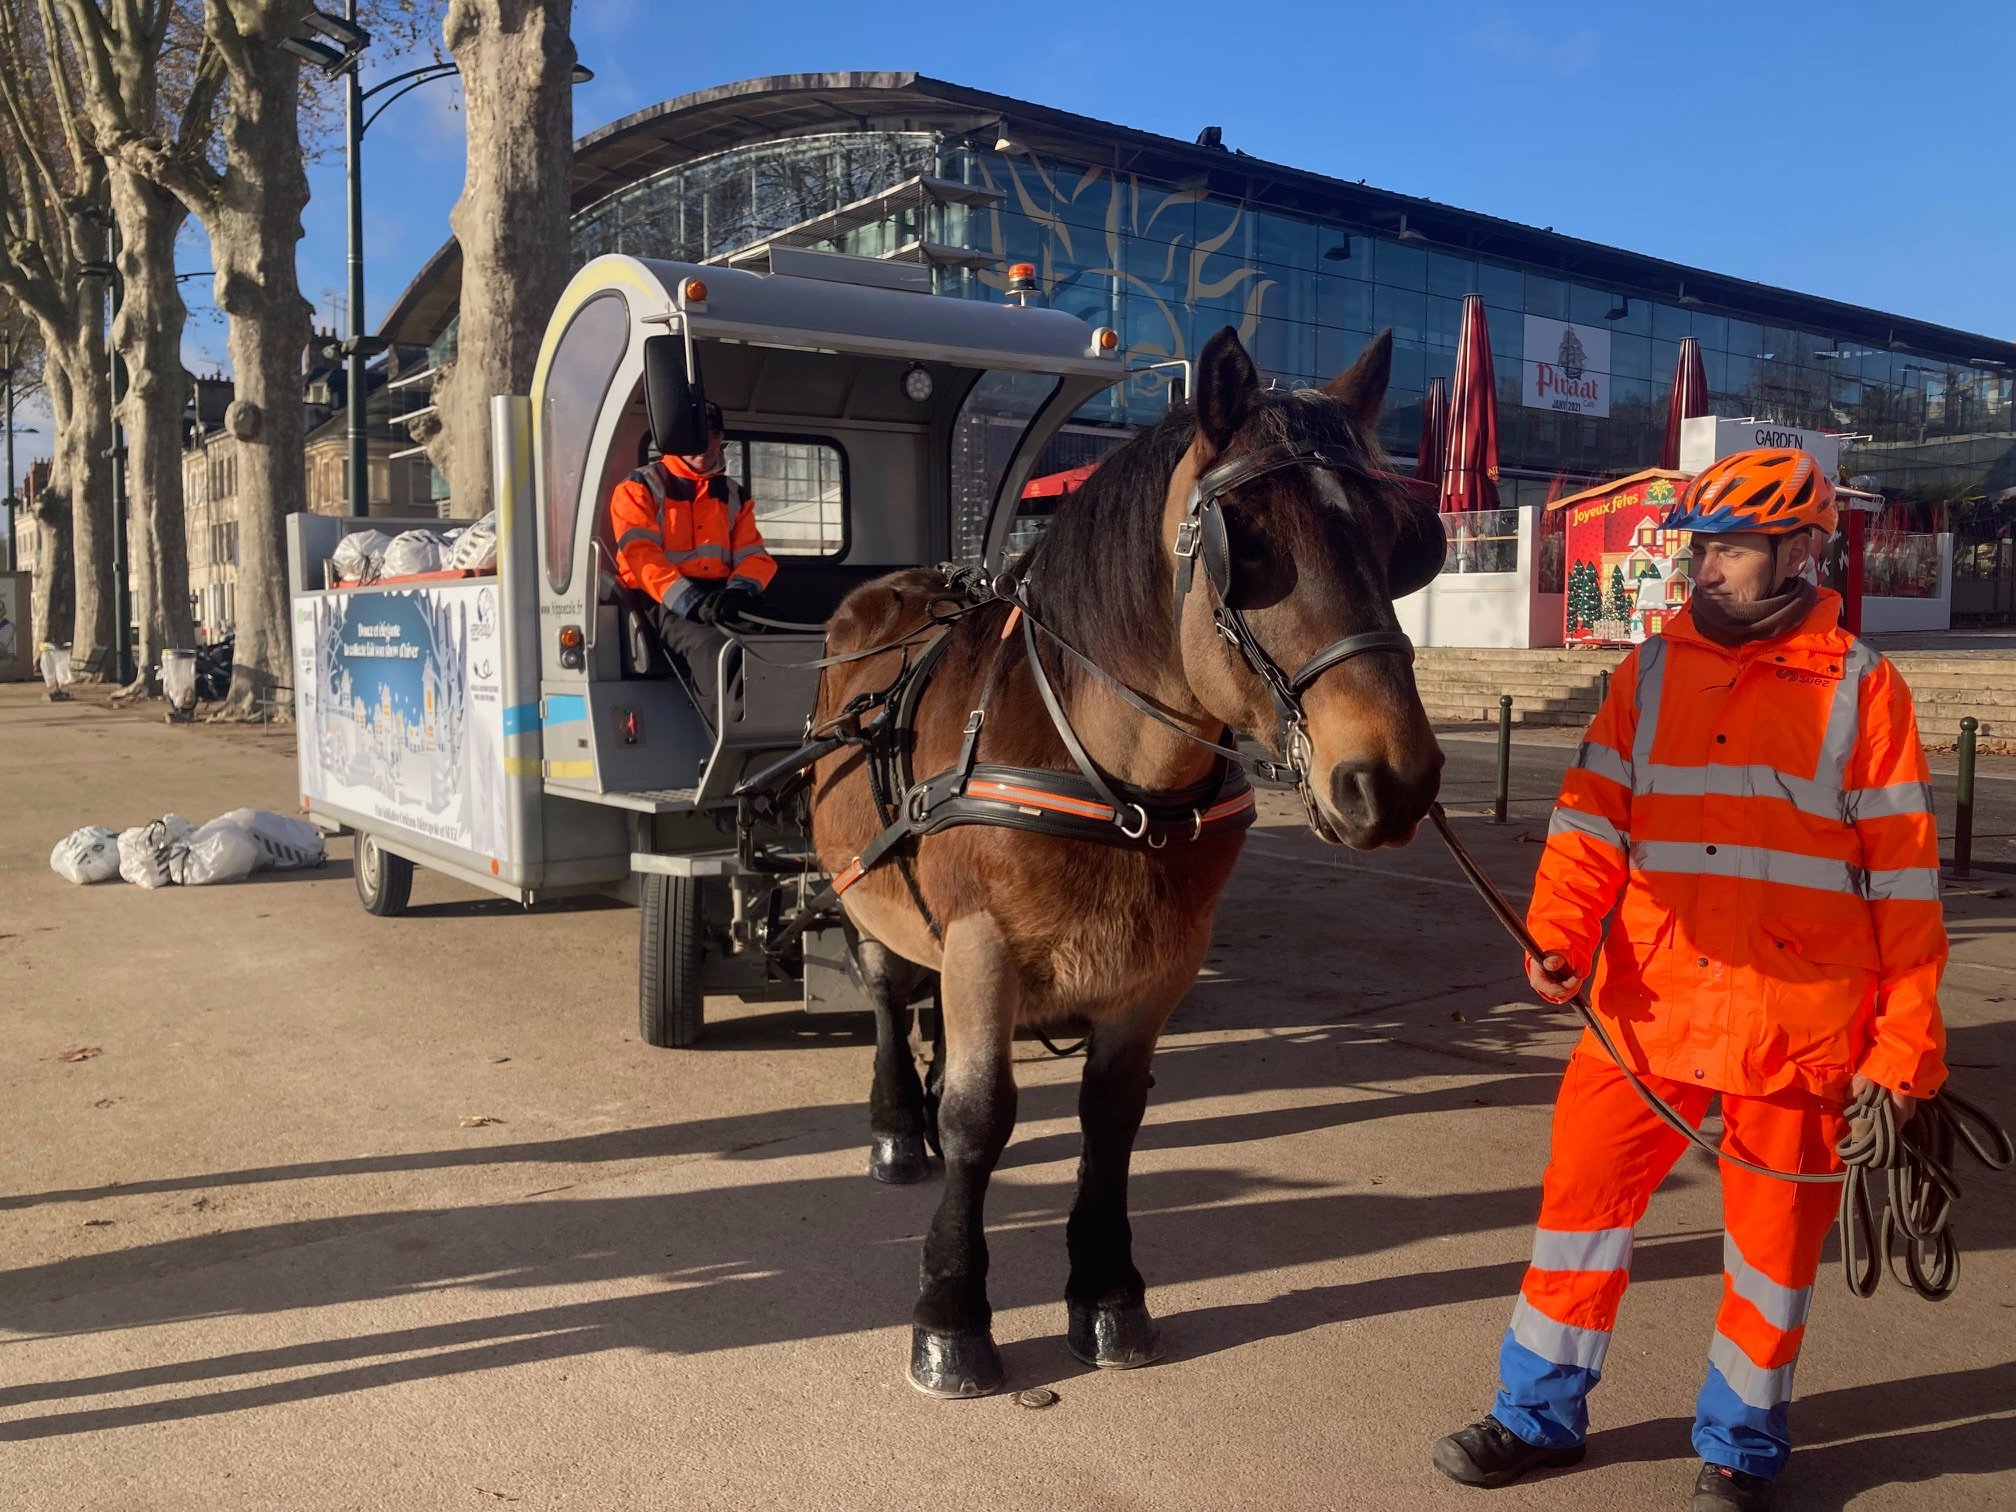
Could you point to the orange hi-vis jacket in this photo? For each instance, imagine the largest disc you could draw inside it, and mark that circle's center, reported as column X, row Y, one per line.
column 675, row 529
column 1765, row 813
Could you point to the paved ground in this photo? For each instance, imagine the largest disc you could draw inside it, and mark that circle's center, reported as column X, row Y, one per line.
column 254, row 1261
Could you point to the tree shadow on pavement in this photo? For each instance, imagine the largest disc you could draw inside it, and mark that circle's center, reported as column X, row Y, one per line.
column 728, row 1268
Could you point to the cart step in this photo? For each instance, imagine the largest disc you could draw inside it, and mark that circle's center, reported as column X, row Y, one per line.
column 648, row 801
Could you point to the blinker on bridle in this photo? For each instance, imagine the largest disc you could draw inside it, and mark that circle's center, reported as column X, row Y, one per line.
column 1202, row 534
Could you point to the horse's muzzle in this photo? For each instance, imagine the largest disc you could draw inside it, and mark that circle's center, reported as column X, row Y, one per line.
column 1371, row 803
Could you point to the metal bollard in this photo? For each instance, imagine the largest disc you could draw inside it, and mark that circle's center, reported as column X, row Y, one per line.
column 1605, row 694
column 1963, row 808
column 1504, row 756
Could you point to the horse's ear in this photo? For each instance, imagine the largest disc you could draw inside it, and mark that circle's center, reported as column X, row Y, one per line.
column 1361, row 388
column 1227, row 384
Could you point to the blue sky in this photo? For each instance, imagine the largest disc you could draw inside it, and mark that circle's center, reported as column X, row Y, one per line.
column 1855, row 150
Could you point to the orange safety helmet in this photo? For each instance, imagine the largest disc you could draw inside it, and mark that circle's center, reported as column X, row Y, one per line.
column 1773, row 489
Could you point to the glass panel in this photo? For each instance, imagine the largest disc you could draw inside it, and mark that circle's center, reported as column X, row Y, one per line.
column 799, row 489
column 1448, row 275
column 1712, row 331
column 1410, row 370
column 1630, row 356
column 1340, row 252
column 1502, row 287
column 1745, row 338
column 1445, row 319
column 1546, row 296
column 1399, row 265
column 1482, row 540
column 1338, row 348
column 1670, row 323
column 584, row 362
column 1344, row 302
column 1284, row 240
column 1402, row 309
column 1636, row 319
column 984, row 438
column 1587, row 306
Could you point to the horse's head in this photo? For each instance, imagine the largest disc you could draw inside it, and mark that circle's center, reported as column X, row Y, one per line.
column 1289, row 547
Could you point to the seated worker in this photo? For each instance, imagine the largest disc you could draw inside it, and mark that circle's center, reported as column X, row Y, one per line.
column 686, row 537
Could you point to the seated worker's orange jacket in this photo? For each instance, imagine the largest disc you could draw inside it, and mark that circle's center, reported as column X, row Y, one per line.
column 678, row 533
column 1764, row 810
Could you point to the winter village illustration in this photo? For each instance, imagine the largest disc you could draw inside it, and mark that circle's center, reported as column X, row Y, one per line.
column 394, row 719
column 1626, row 577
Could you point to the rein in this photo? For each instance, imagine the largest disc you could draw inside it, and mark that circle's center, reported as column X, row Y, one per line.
column 1916, row 1157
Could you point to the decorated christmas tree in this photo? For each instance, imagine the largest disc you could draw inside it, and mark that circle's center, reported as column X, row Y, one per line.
column 1622, row 599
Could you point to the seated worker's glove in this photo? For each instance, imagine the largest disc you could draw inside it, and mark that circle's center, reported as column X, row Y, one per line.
column 731, row 603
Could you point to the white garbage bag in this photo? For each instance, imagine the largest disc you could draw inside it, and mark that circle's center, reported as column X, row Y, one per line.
column 414, row 552
column 475, row 547
column 285, row 843
column 222, row 851
column 149, row 852
column 90, row 854
column 358, row 554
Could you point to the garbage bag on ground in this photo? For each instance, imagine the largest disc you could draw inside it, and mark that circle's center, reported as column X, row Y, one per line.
column 221, row 851
column 359, row 554
column 148, row 852
column 90, row 854
column 285, row 843
column 475, row 546
column 416, row 551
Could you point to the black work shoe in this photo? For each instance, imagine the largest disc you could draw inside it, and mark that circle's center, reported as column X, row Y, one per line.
column 1719, row 1489
column 1490, row 1454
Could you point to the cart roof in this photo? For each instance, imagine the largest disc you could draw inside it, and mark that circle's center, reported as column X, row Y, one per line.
column 828, row 314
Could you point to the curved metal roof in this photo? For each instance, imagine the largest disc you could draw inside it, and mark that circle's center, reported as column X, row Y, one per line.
column 712, row 120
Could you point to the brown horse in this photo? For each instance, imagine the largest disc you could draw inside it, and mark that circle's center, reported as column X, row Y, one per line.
column 1030, row 930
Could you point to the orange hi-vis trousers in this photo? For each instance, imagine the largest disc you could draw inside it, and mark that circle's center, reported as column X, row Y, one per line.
column 1609, row 1153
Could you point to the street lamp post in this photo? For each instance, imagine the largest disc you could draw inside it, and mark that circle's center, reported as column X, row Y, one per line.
column 8, row 371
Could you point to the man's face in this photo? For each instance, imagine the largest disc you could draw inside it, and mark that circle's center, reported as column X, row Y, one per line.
column 708, row 461
column 1747, row 566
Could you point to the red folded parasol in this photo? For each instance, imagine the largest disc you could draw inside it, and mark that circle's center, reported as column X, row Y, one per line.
column 1470, row 474
column 1689, row 398
column 1434, row 432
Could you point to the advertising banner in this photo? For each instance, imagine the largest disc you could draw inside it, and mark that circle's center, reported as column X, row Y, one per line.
column 402, row 709
column 1567, row 367
column 1626, row 576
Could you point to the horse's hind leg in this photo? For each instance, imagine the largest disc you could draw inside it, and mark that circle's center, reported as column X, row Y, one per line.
column 896, row 1121
column 1105, row 1299
column 952, row 1350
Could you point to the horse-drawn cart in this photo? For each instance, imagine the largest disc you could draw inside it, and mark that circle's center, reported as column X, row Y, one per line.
column 516, row 730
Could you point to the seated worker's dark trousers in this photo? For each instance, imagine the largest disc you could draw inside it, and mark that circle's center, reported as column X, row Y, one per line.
column 697, row 649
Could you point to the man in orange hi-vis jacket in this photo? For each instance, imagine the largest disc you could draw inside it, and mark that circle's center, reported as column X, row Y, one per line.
column 1752, row 801
column 686, row 535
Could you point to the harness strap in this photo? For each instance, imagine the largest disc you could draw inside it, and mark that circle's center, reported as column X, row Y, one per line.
column 1072, row 743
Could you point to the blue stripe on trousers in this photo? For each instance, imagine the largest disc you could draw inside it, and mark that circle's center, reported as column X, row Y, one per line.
column 1729, row 1431
column 1544, row 1403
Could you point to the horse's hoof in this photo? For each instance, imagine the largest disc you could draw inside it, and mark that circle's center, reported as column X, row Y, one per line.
column 898, row 1159
column 1112, row 1336
column 954, row 1365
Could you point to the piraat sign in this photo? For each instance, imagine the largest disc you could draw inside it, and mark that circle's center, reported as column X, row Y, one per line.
column 1627, row 575
column 1567, row 367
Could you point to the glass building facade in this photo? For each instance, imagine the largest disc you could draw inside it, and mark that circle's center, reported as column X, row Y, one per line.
column 1168, row 264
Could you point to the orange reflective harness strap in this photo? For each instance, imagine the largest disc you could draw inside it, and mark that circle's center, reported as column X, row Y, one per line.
column 1917, row 1157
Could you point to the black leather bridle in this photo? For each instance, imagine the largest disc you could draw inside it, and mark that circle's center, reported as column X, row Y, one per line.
column 1202, row 535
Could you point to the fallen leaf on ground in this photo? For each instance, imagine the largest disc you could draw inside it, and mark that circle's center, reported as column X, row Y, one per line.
column 477, row 1121
column 99, row 1222
column 1529, row 838
column 81, row 1053
column 1458, row 1016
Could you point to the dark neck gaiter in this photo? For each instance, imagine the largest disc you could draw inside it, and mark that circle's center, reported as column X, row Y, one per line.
column 1734, row 624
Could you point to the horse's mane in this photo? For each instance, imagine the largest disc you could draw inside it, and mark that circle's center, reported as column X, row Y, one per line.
column 1098, row 576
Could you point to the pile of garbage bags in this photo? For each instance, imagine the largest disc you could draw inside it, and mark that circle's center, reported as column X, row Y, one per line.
column 365, row 556
column 171, row 850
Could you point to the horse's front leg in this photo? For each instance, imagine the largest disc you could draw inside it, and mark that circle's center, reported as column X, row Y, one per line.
column 1105, row 1299
column 952, row 1350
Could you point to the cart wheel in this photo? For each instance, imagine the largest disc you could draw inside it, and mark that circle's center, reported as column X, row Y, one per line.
column 384, row 881
column 669, row 1002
